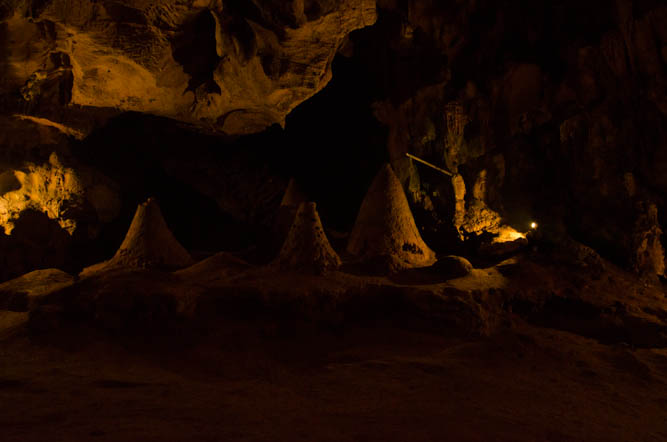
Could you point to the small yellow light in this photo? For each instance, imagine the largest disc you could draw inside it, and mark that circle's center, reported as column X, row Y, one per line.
column 533, row 225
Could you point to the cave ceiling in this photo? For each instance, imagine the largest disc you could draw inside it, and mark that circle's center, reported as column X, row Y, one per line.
column 232, row 67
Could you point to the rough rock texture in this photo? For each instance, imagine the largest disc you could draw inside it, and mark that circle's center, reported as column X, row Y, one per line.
column 307, row 248
column 557, row 108
column 149, row 243
column 39, row 172
column 649, row 254
column 23, row 293
column 217, row 193
column 453, row 266
column 563, row 291
column 49, row 187
column 52, row 205
column 385, row 228
column 123, row 299
column 228, row 66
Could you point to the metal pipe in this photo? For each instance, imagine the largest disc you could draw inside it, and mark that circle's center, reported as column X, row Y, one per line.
column 446, row 172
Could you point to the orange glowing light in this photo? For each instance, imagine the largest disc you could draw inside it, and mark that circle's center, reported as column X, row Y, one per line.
column 508, row 234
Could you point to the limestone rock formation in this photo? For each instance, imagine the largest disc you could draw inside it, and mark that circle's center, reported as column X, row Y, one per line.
column 24, row 292
column 293, row 196
column 385, row 227
column 227, row 66
column 289, row 205
column 37, row 172
column 453, row 266
column 649, row 255
column 307, row 248
column 149, row 243
column 49, row 187
column 576, row 102
column 549, row 111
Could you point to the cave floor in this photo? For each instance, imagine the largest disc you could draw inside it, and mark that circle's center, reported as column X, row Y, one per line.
column 251, row 381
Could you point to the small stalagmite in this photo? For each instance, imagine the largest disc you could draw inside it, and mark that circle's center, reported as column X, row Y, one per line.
column 307, row 248
column 289, row 205
column 293, row 196
column 149, row 244
column 385, row 231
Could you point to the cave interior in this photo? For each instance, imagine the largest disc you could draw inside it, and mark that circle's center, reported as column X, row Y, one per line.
column 351, row 220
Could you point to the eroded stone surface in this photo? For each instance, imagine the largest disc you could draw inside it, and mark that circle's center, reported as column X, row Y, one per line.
column 38, row 172
column 385, row 227
column 307, row 248
column 149, row 243
column 234, row 67
column 556, row 104
column 24, row 292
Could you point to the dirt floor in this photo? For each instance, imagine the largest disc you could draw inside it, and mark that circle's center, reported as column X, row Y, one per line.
column 259, row 381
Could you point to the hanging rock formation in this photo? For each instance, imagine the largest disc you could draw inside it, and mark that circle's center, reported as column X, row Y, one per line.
column 385, row 228
column 233, row 67
column 149, row 243
column 307, row 248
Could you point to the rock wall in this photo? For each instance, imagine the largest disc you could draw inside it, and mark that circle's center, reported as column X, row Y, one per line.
column 557, row 110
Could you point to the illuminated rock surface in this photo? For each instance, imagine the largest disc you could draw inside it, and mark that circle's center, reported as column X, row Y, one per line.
column 233, row 67
column 40, row 173
column 385, row 228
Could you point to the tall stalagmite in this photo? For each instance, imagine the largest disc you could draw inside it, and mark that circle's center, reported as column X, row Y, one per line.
column 385, row 229
column 307, row 248
column 149, row 243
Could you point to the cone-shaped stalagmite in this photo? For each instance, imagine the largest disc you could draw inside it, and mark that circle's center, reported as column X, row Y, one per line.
column 293, row 196
column 307, row 248
column 149, row 243
column 289, row 205
column 385, row 229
